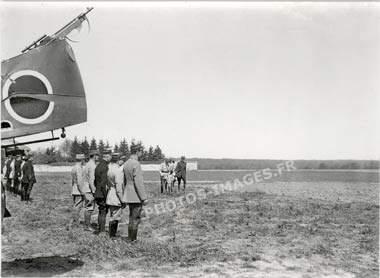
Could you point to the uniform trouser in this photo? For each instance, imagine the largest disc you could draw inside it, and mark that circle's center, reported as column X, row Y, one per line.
column 89, row 206
column 179, row 182
column 103, row 209
column 78, row 204
column 135, row 210
column 115, row 213
column 164, row 184
column 26, row 190
column 16, row 186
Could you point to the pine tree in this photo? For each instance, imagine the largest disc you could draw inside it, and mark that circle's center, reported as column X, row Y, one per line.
column 116, row 148
column 151, row 153
column 158, row 155
column 107, row 146
column 123, row 147
column 101, row 146
column 85, row 146
column 93, row 145
column 75, row 148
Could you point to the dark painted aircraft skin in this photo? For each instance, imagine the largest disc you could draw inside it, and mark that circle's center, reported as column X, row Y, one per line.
column 42, row 88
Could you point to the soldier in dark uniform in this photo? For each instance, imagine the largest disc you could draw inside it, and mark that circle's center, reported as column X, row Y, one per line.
column 28, row 179
column 180, row 172
column 101, row 176
column 17, row 178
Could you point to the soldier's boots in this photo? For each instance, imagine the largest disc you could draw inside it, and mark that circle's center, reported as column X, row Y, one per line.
column 113, row 228
column 132, row 233
column 87, row 221
column 102, row 222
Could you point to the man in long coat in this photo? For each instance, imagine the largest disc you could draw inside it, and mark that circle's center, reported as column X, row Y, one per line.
column 101, row 180
column 134, row 191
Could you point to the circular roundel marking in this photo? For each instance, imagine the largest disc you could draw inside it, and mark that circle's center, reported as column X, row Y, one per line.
column 23, row 109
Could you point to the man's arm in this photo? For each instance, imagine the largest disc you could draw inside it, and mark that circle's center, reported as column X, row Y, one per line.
column 139, row 183
column 119, row 179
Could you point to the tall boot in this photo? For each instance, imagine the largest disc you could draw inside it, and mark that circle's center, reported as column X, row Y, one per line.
column 111, row 229
column 87, row 221
column 102, row 222
column 134, row 234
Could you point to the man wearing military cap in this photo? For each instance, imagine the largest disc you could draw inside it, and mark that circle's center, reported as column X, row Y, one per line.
column 89, row 188
column 101, row 180
column 76, row 188
column 134, row 191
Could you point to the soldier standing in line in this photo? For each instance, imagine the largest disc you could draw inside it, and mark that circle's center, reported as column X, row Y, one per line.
column 76, row 190
column 17, row 179
column 115, row 193
column 134, row 191
column 101, row 180
column 89, row 188
column 11, row 175
column 180, row 172
column 28, row 177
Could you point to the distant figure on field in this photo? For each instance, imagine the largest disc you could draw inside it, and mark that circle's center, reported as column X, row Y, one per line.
column 101, row 179
column 28, row 178
column 180, row 172
column 76, row 188
column 164, row 172
column 134, row 191
column 17, row 178
column 89, row 188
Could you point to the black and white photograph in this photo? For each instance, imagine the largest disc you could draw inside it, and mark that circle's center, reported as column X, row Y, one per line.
column 190, row 139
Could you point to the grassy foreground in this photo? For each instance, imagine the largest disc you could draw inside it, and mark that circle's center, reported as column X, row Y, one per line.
column 262, row 233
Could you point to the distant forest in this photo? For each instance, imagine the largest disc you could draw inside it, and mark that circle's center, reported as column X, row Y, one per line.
column 67, row 150
column 240, row 164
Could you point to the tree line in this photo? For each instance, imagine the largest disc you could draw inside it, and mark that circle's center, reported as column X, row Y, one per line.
column 67, row 150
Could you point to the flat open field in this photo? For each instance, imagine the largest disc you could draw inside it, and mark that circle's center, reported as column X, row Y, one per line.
column 302, row 224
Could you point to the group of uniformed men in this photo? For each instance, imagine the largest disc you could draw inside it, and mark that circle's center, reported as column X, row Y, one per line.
column 112, row 182
column 18, row 175
column 170, row 172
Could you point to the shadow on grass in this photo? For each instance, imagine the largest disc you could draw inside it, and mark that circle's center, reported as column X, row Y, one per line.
column 39, row 267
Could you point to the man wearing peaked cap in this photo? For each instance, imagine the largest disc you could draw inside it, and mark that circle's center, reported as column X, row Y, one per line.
column 77, row 182
column 134, row 191
column 89, row 188
column 101, row 179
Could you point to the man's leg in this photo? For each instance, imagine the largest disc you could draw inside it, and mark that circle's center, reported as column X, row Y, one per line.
column 29, row 190
column 89, row 206
column 103, row 209
column 115, row 217
column 179, row 183
column 184, row 183
column 162, row 185
column 134, row 220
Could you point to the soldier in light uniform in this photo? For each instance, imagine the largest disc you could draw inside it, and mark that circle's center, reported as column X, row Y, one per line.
column 89, row 188
column 115, row 193
column 76, row 189
column 164, row 172
column 134, row 191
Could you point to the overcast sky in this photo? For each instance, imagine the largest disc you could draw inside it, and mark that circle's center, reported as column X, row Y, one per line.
column 234, row 80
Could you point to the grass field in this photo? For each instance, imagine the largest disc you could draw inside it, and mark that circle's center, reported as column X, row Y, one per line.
column 302, row 224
